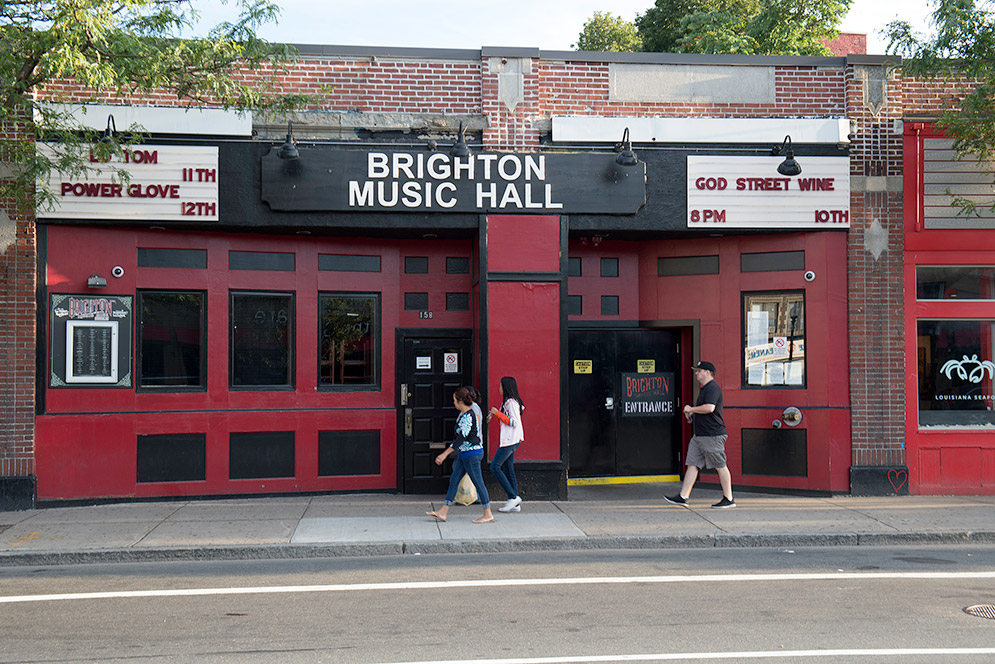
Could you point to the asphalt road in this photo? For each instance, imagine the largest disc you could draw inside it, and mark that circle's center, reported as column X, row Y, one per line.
column 838, row 604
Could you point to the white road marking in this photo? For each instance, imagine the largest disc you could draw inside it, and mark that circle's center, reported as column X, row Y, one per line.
column 493, row 583
column 761, row 654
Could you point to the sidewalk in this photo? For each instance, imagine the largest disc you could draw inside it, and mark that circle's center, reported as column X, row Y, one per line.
column 633, row 516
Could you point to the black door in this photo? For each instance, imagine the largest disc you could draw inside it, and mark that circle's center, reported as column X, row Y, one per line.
column 430, row 369
column 624, row 397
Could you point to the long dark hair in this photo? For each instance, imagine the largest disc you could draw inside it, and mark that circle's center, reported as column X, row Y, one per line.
column 509, row 388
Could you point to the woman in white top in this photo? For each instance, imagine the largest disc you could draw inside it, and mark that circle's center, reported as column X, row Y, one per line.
column 512, row 435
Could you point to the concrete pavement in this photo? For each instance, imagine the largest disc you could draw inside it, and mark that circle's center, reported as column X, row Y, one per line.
column 627, row 516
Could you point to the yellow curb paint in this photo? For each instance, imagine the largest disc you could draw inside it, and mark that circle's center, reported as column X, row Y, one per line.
column 640, row 479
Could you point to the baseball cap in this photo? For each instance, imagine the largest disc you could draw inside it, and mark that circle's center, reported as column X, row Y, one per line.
column 707, row 366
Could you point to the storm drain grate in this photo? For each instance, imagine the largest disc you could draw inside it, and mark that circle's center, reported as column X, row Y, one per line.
column 982, row 611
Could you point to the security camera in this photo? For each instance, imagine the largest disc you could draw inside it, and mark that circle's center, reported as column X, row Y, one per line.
column 117, row 271
column 809, row 275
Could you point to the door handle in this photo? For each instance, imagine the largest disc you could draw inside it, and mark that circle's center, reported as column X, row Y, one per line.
column 407, row 422
column 610, row 403
column 404, row 394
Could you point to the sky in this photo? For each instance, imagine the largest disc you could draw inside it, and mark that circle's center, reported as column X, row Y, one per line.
column 551, row 25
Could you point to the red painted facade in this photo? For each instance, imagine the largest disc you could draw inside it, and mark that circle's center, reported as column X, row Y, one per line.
column 858, row 396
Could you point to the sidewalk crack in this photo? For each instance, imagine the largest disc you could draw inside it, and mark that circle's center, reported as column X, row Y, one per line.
column 153, row 528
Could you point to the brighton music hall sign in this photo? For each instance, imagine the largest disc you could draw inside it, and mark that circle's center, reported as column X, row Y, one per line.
column 423, row 181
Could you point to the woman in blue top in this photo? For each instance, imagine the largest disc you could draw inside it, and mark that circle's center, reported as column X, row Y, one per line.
column 467, row 443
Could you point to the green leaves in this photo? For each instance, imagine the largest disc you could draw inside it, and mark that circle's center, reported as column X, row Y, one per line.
column 123, row 51
column 961, row 50
column 771, row 27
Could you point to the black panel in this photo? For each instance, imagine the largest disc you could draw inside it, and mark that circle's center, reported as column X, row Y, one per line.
column 574, row 267
column 348, row 453
column 772, row 261
column 260, row 260
column 343, row 263
column 261, row 454
column 178, row 457
column 575, row 305
column 416, row 265
column 457, row 301
column 681, row 265
column 195, row 259
column 457, row 265
column 609, row 305
column 609, row 267
column 778, row 452
column 415, row 301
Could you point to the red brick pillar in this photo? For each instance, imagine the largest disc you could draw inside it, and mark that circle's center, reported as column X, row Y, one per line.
column 18, row 259
column 876, row 294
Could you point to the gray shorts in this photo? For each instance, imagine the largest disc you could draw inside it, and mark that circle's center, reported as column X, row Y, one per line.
column 707, row 451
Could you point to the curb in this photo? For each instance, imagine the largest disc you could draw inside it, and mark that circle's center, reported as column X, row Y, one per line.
column 311, row 551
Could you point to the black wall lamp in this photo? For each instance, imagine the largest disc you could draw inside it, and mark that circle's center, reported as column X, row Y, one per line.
column 460, row 149
column 96, row 281
column 289, row 148
column 626, row 157
column 789, row 166
column 108, row 135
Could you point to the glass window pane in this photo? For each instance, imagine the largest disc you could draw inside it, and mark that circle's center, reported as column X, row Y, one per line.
column 774, row 339
column 957, row 282
column 262, row 339
column 955, row 370
column 171, row 339
column 348, row 339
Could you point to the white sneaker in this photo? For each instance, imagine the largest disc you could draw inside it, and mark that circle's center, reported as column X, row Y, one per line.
column 513, row 505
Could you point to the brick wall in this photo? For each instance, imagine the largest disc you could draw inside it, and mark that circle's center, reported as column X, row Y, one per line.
column 17, row 333
column 875, row 287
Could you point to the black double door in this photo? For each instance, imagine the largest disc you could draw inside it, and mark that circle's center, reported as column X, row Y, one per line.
column 430, row 370
column 625, row 401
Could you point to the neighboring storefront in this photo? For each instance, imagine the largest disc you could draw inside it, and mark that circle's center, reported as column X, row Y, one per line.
column 241, row 319
column 950, row 317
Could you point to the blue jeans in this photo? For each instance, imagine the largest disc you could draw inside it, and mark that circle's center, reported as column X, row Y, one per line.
column 503, row 468
column 471, row 467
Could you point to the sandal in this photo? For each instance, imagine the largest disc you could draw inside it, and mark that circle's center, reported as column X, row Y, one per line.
column 437, row 516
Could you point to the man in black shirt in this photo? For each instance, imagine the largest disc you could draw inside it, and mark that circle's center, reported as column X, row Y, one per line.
column 707, row 448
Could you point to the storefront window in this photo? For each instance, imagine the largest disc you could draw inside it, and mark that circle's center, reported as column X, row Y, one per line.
column 262, row 333
column 958, row 282
column 774, row 339
column 955, row 370
column 171, row 348
column 348, row 338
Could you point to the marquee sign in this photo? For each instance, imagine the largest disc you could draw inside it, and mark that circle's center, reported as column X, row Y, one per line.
column 423, row 181
column 167, row 183
column 747, row 192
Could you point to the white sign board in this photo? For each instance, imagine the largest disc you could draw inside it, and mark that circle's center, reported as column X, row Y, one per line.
column 748, row 192
column 423, row 363
column 168, row 183
column 451, row 363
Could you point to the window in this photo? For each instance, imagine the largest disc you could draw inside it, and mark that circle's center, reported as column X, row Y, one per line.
column 774, row 339
column 685, row 265
column 955, row 368
column 172, row 330
column 609, row 267
column 262, row 339
column 349, row 339
column 416, row 265
column 961, row 282
column 772, row 261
